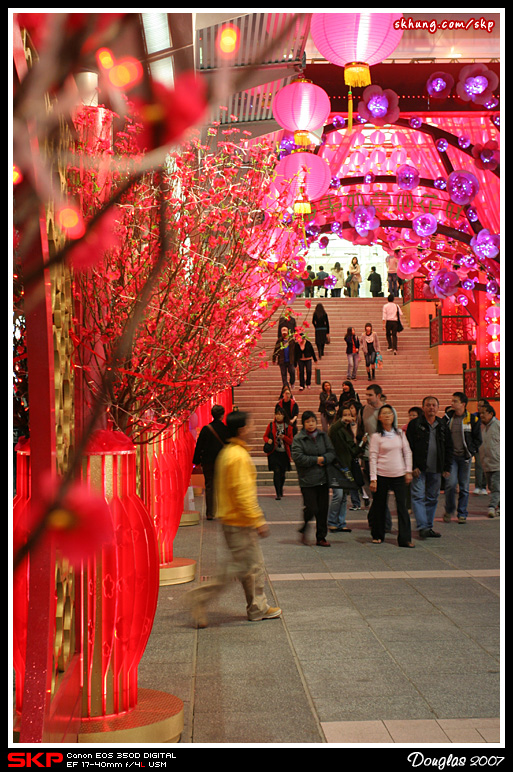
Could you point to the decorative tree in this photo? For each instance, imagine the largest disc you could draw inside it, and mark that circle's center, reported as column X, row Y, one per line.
column 201, row 218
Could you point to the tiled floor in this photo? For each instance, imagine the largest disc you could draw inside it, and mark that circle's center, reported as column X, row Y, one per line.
column 376, row 645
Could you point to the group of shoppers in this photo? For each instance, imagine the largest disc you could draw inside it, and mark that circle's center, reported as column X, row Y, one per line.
column 293, row 350
column 363, row 447
column 349, row 283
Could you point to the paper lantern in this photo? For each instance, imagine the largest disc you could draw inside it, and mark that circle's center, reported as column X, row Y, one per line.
column 301, row 172
column 355, row 41
column 301, row 107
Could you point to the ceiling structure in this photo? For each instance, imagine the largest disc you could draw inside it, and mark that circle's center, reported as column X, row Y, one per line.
column 275, row 47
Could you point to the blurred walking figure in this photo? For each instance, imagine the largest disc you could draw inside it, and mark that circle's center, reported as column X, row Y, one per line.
column 489, row 454
column 243, row 524
column 322, row 328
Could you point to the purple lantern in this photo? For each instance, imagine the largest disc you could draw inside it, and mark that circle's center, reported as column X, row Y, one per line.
column 425, row 224
column 439, row 85
column 407, row 177
column 462, row 187
column 485, row 244
column 364, row 219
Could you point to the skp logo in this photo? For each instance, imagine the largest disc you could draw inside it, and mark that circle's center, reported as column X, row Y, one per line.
column 33, row 759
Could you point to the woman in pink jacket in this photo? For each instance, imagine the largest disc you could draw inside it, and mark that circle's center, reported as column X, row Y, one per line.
column 390, row 467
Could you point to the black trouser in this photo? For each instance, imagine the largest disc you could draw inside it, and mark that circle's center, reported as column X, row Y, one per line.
column 316, row 501
column 305, row 365
column 278, row 463
column 391, row 331
column 377, row 512
column 208, row 473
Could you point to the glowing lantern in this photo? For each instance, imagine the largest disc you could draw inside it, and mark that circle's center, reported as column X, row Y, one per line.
column 494, row 347
column 228, row 41
column 303, row 173
column 71, row 222
column 355, row 41
column 301, row 107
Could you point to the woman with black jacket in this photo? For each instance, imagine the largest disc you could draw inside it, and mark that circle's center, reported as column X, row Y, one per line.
column 312, row 452
column 278, row 440
column 289, row 407
column 322, row 328
column 353, row 352
column 305, row 355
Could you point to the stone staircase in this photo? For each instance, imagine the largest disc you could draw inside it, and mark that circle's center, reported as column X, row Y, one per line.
column 405, row 378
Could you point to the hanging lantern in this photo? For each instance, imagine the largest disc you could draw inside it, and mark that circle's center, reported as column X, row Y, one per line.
column 356, row 41
column 301, row 175
column 301, row 107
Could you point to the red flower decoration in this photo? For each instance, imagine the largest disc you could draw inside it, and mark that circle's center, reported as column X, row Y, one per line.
column 487, row 156
column 171, row 111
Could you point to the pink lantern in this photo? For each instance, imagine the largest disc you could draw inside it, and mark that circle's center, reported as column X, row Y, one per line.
column 356, row 41
column 301, row 107
column 301, row 171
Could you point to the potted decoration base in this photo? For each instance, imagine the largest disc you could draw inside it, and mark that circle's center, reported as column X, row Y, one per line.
column 178, row 571
column 157, row 718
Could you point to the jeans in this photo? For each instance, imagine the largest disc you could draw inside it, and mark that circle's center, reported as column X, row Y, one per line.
column 393, row 285
column 305, row 365
column 460, row 476
column 288, row 368
column 338, row 508
column 424, row 497
column 494, row 484
column 352, row 364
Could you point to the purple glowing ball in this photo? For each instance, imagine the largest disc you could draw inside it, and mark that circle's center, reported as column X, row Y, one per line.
column 424, row 224
column 407, row 177
column 462, row 187
column 485, row 244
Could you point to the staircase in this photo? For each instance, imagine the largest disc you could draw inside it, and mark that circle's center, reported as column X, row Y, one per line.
column 405, row 379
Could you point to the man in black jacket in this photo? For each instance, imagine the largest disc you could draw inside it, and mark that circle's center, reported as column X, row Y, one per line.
column 211, row 440
column 432, row 450
column 466, row 437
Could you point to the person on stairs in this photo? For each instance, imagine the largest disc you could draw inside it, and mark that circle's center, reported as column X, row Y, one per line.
column 392, row 319
column 369, row 345
column 278, row 441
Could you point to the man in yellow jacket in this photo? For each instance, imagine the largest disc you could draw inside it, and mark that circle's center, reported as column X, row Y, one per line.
column 243, row 525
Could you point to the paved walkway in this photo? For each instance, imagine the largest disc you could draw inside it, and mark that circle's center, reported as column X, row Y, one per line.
column 376, row 644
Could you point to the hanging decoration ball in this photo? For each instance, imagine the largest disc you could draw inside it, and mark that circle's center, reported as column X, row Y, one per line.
column 440, row 183
column 301, row 107
column 441, row 145
column 462, row 187
column 356, row 41
column 486, row 156
column 339, row 122
column 472, row 214
column 369, row 178
column 407, row 177
column 425, row 224
column 493, row 287
column 323, row 242
column 439, row 85
column 485, row 244
column 363, row 219
column 462, row 300
column 415, row 122
column 336, row 227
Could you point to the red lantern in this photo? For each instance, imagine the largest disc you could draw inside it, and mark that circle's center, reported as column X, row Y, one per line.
column 356, row 41
column 301, row 107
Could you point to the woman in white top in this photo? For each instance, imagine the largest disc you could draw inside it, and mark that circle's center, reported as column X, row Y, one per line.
column 392, row 313
column 390, row 468
column 338, row 273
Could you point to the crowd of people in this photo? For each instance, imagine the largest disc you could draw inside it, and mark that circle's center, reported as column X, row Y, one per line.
column 360, row 451
column 349, row 283
column 294, row 352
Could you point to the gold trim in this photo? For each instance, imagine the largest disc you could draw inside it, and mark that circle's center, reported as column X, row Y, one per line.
column 157, row 718
column 180, row 571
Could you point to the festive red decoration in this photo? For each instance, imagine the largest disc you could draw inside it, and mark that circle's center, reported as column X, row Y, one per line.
column 301, row 107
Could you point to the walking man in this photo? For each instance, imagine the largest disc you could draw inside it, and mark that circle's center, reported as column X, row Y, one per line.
column 489, row 453
column 243, row 525
column 211, row 440
column 431, row 446
column 466, row 438
column 284, row 355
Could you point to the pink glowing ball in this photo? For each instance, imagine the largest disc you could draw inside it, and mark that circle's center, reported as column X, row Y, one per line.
column 301, row 106
column 355, row 37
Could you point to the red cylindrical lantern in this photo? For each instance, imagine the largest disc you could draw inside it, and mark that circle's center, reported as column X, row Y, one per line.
column 355, row 41
column 301, row 107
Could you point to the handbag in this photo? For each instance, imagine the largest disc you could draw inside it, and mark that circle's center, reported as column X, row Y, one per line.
column 400, row 327
column 341, row 477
